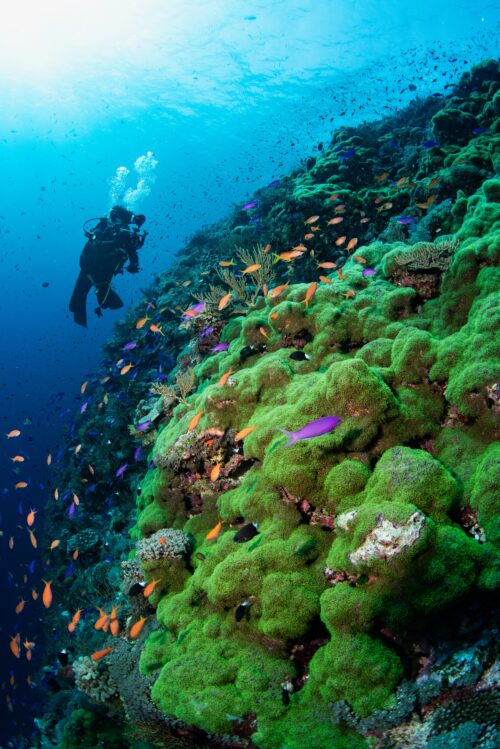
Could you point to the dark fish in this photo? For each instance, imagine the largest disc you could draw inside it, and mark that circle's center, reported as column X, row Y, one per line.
column 285, row 696
column 430, row 143
column 63, row 657
column 45, row 284
column 136, row 589
column 246, row 533
column 243, row 608
column 479, row 130
column 299, row 356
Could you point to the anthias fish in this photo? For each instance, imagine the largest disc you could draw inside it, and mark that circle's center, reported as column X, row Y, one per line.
column 315, row 428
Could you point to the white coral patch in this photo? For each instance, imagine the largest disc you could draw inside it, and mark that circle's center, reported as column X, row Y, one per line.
column 388, row 539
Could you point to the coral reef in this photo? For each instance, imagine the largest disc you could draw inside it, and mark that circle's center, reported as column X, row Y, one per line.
column 333, row 592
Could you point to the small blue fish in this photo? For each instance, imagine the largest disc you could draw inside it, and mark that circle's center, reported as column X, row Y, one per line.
column 137, row 454
column 430, row 143
column 407, row 220
column 129, row 346
column 121, row 470
column 315, row 428
column 69, row 570
column 219, row 347
column 479, row 130
column 83, row 407
column 31, row 566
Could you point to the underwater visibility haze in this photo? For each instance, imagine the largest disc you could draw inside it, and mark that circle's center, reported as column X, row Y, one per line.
column 249, row 375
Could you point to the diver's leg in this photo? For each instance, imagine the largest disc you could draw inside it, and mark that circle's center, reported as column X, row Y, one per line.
column 78, row 301
column 106, row 297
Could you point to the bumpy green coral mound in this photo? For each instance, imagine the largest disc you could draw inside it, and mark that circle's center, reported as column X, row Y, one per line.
column 357, row 538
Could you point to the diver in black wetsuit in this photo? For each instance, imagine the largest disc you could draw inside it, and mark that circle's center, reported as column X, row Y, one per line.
column 111, row 242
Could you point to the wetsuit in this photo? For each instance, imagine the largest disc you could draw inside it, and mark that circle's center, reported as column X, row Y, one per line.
column 107, row 250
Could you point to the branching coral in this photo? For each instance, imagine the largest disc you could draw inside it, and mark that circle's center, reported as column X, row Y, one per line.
column 164, row 544
column 94, row 679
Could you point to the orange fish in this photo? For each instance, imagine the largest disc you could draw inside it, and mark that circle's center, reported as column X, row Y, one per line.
column 141, row 322
column 225, row 377
column 56, row 493
column 274, row 316
column 11, row 542
column 135, row 629
column 349, row 294
column 430, row 200
column 125, row 369
column 401, row 181
column 32, row 538
column 364, row 220
column 335, row 220
column 226, row 263
column 31, row 517
column 384, row 207
column 311, row 220
column 91, row 470
column 325, row 279
column 252, row 268
column 76, row 499
column 156, row 329
column 100, row 654
column 74, row 555
column 263, row 332
column 214, row 473
column 74, row 621
column 13, row 433
column 14, row 647
column 310, row 292
column 340, row 241
column 99, row 624
column 55, row 543
column 17, row 459
column 277, row 290
column 29, row 645
column 224, row 301
column 78, row 448
column 20, row 485
column 150, row 588
column 47, row 594
column 360, row 259
column 308, row 236
column 299, row 248
column 341, row 275
column 20, row 606
column 34, row 594
column 381, row 177
column 194, row 421
column 103, row 380
column 114, row 625
column 267, row 248
column 333, row 197
column 289, row 255
column 327, row 265
column 49, row 459
column 243, row 433
column 83, row 387
column 314, row 228
column 265, row 289
column 352, row 244
column 214, row 532
column 340, row 209
column 28, row 655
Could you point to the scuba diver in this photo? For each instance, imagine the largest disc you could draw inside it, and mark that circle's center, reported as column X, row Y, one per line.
column 110, row 243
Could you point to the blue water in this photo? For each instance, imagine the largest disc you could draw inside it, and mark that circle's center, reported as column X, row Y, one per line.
column 228, row 96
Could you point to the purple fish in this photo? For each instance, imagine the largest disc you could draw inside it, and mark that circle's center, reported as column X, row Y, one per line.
column 314, row 428
column 71, row 510
column 137, row 454
column 208, row 330
column 83, row 407
column 249, row 206
column 347, row 154
column 273, row 183
column 121, row 470
column 31, row 566
column 407, row 220
column 129, row 346
column 143, row 426
column 219, row 347
column 368, row 272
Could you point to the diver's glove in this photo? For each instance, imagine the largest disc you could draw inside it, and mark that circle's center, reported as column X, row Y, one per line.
column 132, row 269
column 98, row 312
